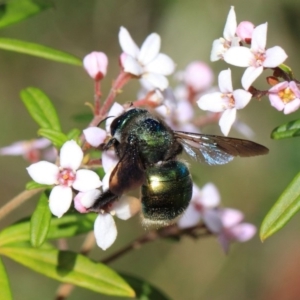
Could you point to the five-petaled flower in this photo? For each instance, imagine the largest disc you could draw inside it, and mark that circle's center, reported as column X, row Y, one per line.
column 285, row 96
column 64, row 177
column 226, row 101
column 257, row 58
column 146, row 63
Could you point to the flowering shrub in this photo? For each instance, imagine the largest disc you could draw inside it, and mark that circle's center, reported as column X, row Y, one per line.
column 78, row 165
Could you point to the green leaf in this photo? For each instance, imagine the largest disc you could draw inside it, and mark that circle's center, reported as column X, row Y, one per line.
column 283, row 210
column 288, row 130
column 14, row 11
column 39, row 51
column 40, row 108
column 4, row 283
column 40, row 222
column 67, row 226
column 69, row 267
column 57, row 138
column 143, row 289
column 32, row 185
column 74, row 134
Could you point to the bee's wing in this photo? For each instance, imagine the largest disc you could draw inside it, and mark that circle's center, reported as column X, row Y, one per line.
column 217, row 150
column 129, row 173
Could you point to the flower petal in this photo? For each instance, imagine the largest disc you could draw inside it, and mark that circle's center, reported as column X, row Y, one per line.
column 162, row 64
column 189, row 218
column 43, row 172
column 291, row 106
column 214, row 102
column 218, row 49
column 231, row 217
column 156, row 80
column 60, row 200
column 274, row 57
column 85, row 200
column 226, row 120
column 95, row 64
column 242, row 232
column 109, row 160
column 210, row 195
column 239, row 56
column 230, row 26
column 149, row 49
column 250, row 74
column 116, row 110
column 95, row 136
column 259, row 37
column 105, row 230
column 132, row 66
column 276, row 101
column 71, row 155
column 86, row 180
column 126, row 207
column 225, row 83
column 127, row 43
column 241, row 98
column 212, row 220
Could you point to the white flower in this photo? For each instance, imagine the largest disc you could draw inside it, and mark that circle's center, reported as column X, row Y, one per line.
column 203, row 207
column 226, row 101
column 64, row 177
column 95, row 64
column 146, row 62
column 221, row 45
column 257, row 58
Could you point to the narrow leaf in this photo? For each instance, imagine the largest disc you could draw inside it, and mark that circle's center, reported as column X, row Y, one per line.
column 57, row 138
column 143, row 289
column 32, row 185
column 40, row 222
column 69, row 267
column 74, row 134
column 14, row 11
column 283, row 210
column 40, row 108
column 4, row 283
column 39, row 51
column 67, row 226
column 288, row 130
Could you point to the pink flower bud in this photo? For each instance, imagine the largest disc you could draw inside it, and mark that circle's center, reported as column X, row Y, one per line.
column 244, row 31
column 95, row 64
column 198, row 76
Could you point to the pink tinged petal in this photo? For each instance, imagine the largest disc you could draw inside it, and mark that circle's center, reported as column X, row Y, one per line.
column 215, row 102
column 241, row 98
column 162, row 64
column 245, row 30
column 278, row 87
column 259, row 37
column 276, row 101
column 239, row 56
column 242, row 232
column 116, row 110
column 41, row 143
column 109, row 160
column 274, row 57
column 95, row 64
column 217, row 50
column 230, row 26
column 82, row 201
column 212, row 220
column 190, row 217
column 105, row 230
column 210, row 195
column 156, row 81
column 226, row 120
column 231, row 217
column 291, row 106
column 185, row 111
column 71, row 155
column 250, row 75
column 127, row 43
column 198, row 75
column 95, row 136
column 149, row 49
column 60, row 200
column 43, row 172
column 17, row 148
column 225, row 83
column 86, row 180
column 132, row 66
column 294, row 88
column 126, row 207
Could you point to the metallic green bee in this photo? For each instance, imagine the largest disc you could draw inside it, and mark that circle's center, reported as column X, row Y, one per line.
column 147, row 150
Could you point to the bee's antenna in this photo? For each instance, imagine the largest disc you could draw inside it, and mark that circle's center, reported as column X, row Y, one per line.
column 105, row 120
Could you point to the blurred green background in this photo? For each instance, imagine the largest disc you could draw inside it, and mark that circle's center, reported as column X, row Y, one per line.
column 189, row 269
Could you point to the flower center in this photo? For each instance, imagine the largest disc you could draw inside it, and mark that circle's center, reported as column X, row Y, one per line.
column 286, row 95
column 259, row 58
column 230, row 102
column 66, row 177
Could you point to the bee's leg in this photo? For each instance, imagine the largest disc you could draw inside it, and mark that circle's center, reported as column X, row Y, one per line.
column 103, row 201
